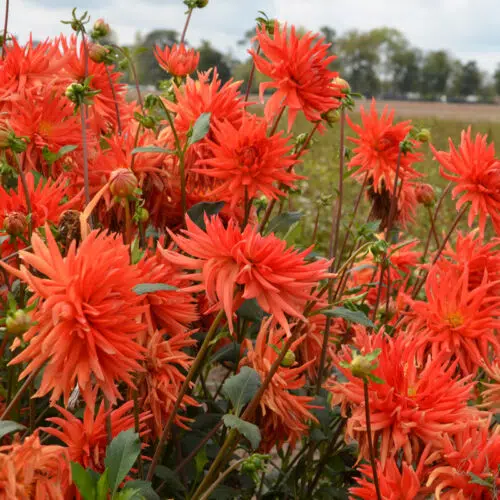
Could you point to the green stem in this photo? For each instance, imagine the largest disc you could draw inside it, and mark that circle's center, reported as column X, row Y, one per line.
column 370, row 441
column 6, row 23
column 19, row 393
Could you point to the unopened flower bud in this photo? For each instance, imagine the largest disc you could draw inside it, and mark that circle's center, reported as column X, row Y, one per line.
column 142, row 214
column 289, row 359
column 74, row 92
column 201, row 3
column 361, row 366
column 75, row 25
column 425, row 194
column 101, row 29
column 424, row 135
column 5, row 135
column 342, row 84
column 122, row 183
column 332, row 116
column 97, row 52
column 18, row 323
column 379, row 248
column 15, row 223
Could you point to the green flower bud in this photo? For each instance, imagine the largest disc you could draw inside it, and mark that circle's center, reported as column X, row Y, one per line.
column 289, row 359
column 18, row 323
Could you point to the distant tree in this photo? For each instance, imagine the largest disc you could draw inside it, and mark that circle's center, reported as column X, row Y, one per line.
column 436, row 71
column 496, row 78
column 330, row 35
column 405, row 68
column 210, row 57
column 471, row 79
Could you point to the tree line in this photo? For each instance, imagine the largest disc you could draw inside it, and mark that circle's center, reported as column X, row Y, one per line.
column 379, row 62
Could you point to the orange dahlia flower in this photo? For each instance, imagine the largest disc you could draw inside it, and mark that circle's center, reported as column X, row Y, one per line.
column 86, row 440
column 471, row 453
column 298, row 69
column 166, row 365
column 177, row 60
column 279, row 278
column 86, row 316
column 248, row 162
column 456, row 318
column 413, row 406
column 395, row 482
column 282, row 416
column 475, row 171
column 30, row 470
column 377, row 150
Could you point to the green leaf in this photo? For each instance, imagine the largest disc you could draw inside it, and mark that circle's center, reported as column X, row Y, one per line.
column 197, row 212
column 144, row 488
column 136, row 252
column 241, row 388
column 128, row 494
column 144, row 288
column 151, row 149
column 283, row 222
column 121, row 456
column 479, row 480
column 172, row 483
column 250, row 310
column 200, row 128
column 228, row 353
column 103, row 486
column 353, row 316
column 65, row 150
column 200, row 460
column 83, row 481
column 8, row 426
column 247, row 429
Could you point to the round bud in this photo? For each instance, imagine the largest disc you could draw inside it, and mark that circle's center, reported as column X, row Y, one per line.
column 122, row 183
column 425, row 194
column 15, row 223
column 97, row 52
column 142, row 214
column 361, row 366
column 74, row 92
column 75, row 26
column 332, row 116
column 342, row 84
column 18, row 323
column 424, row 135
column 5, row 136
column 101, row 28
column 201, row 3
column 289, row 359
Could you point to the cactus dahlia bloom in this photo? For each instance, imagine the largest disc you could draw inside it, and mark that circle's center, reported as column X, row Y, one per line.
column 279, row 278
column 467, row 457
column 86, row 316
column 412, row 407
column 86, row 439
column 248, row 162
column 32, row 470
column 396, row 482
column 281, row 415
column 177, row 60
column 298, row 69
column 377, row 150
column 166, row 364
column 475, row 171
column 456, row 318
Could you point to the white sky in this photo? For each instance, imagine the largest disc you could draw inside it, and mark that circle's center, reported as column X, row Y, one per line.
column 469, row 29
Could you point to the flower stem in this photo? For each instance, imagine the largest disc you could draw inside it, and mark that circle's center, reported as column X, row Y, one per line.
column 250, row 77
column 137, row 430
column 221, row 478
column 370, row 441
column 6, row 23
column 134, row 73
column 85, row 156
column 29, row 207
column 19, row 393
column 186, row 24
column 109, row 428
column 200, row 357
column 433, row 227
column 117, row 109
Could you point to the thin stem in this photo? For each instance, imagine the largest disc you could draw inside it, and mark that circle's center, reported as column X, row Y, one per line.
column 186, row 24
column 127, row 234
column 383, row 266
column 277, row 121
column 85, row 156
column 394, row 199
column 134, row 73
column 117, row 108
column 370, row 441
column 434, row 219
column 250, row 77
column 19, row 393
column 433, row 227
column 221, row 478
column 185, row 386
column 233, row 436
column 15, row 254
column 24, row 182
column 248, row 206
column 5, row 25
column 137, row 430
column 109, row 428
column 316, row 224
column 4, row 343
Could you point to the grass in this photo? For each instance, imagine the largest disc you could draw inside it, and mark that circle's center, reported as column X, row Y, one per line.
column 321, row 169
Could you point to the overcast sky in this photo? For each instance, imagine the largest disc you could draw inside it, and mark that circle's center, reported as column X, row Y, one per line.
column 470, row 29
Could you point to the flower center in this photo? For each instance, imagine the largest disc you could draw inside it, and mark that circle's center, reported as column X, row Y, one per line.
column 45, row 128
column 455, row 319
column 248, row 156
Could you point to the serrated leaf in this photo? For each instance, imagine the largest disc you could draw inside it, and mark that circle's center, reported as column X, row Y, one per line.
column 144, row 288
column 241, row 388
column 83, row 481
column 144, row 488
column 151, row 149
column 247, row 429
column 121, row 456
column 8, row 426
column 200, row 128
column 197, row 212
column 358, row 317
column 283, row 222
column 103, row 486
